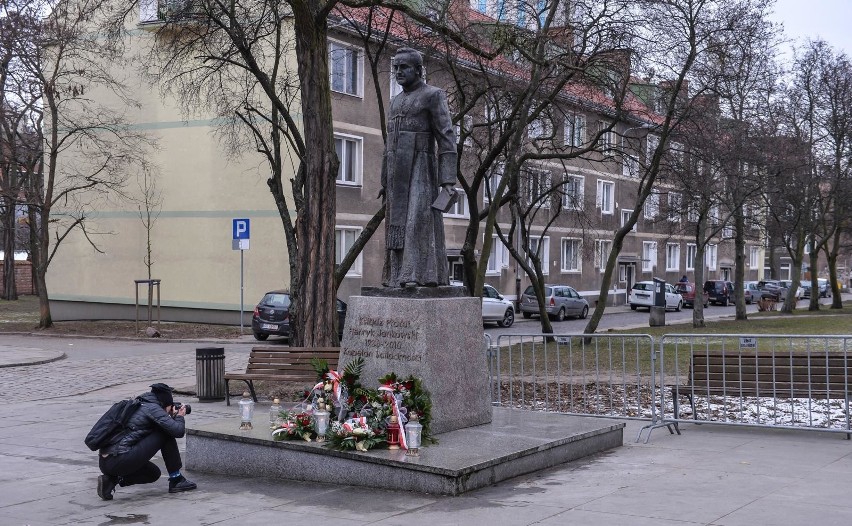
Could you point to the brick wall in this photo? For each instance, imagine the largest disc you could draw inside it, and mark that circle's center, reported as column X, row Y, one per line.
column 23, row 277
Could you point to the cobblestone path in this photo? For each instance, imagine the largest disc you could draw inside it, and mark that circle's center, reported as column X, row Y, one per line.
column 72, row 377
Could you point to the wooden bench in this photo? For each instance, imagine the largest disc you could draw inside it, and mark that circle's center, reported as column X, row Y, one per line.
column 795, row 374
column 282, row 364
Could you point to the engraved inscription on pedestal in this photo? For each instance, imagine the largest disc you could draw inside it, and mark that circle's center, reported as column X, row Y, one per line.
column 439, row 340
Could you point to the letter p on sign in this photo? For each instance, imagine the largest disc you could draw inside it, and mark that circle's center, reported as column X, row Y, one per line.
column 241, row 229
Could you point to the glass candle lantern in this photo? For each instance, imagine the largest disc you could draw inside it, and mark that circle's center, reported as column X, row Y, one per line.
column 321, row 422
column 413, row 435
column 246, row 412
column 275, row 413
column 393, row 433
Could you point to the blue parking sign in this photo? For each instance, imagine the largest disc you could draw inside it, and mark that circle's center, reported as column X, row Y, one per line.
column 241, row 229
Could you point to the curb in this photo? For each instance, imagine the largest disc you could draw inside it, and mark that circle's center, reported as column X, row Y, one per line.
column 60, row 356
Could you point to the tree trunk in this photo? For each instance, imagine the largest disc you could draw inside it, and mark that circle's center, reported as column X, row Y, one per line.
column 10, row 291
column 313, row 288
column 699, row 264
column 813, row 303
column 739, row 265
column 831, row 258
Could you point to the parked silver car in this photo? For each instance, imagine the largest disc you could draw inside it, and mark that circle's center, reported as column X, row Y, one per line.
column 560, row 301
column 495, row 308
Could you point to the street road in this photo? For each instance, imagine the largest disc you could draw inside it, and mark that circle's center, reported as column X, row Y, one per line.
column 622, row 318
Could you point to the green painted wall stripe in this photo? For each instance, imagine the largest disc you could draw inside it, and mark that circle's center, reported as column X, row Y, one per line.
column 143, row 304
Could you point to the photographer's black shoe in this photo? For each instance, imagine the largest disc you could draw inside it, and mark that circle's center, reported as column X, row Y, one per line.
column 178, row 484
column 106, row 486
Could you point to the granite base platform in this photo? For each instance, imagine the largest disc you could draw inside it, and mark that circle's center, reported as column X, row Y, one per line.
column 514, row 443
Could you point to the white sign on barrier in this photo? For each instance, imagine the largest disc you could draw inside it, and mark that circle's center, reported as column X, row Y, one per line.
column 748, row 342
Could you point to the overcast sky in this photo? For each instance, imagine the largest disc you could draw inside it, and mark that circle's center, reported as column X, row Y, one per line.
column 829, row 19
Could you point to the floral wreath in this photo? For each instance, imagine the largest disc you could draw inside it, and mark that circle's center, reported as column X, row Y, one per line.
column 358, row 416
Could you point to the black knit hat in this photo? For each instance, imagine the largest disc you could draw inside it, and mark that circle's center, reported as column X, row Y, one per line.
column 163, row 393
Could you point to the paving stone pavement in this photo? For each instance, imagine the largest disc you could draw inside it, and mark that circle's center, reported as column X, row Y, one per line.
column 710, row 475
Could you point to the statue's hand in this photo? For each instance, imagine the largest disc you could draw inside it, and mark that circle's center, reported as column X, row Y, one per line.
column 381, row 194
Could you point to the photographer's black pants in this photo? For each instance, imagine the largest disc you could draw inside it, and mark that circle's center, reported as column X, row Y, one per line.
column 135, row 466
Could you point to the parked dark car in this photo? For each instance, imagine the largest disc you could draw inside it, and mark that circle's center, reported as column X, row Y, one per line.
column 720, row 292
column 687, row 292
column 272, row 316
column 560, row 301
column 771, row 289
column 824, row 289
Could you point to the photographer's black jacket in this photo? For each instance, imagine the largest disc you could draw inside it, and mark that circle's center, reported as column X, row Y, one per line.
column 149, row 418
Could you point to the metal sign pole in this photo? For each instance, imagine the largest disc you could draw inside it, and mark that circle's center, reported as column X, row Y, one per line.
column 242, row 310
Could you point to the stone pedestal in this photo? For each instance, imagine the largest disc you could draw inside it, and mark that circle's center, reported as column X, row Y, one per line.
column 433, row 333
column 657, row 317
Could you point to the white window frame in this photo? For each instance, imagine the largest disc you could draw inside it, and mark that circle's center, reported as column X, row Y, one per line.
column 649, row 256
column 459, row 208
column 541, row 127
column 467, row 126
column 534, row 183
column 603, row 247
column 607, row 207
column 691, row 251
column 340, row 230
column 625, row 215
column 672, row 257
column 711, row 257
column 492, row 181
column 335, row 46
column 651, row 144
column 651, row 208
column 675, row 202
column 498, row 258
column 575, row 130
column 754, row 257
column 608, row 139
column 728, row 232
column 545, row 255
column 357, row 164
column 574, row 202
column 578, row 255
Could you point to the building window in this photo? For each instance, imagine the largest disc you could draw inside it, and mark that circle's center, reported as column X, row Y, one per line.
column 710, row 257
column 465, row 129
column 540, row 246
column 575, row 130
column 344, row 238
column 459, row 209
column 672, row 257
column 573, row 196
column 753, row 257
column 602, row 249
column 691, row 250
column 651, row 144
column 348, row 150
column 727, row 232
column 571, row 255
column 540, row 128
column 625, row 217
column 608, row 138
column 492, row 181
column 606, row 196
column 629, row 165
column 652, row 206
column 675, row 204
column 649, row 255
column 498, row 257
column 537, row 187
column 345, row 67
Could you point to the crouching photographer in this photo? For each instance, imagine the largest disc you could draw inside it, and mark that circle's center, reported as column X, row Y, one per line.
column 155, row 426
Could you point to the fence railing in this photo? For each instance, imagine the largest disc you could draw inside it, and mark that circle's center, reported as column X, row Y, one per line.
column 769, row 381
column 600, row 375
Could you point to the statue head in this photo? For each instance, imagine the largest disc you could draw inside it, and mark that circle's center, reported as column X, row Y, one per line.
column 407, row 66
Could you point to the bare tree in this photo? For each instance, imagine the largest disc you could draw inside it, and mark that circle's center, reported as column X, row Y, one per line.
column 87, row 148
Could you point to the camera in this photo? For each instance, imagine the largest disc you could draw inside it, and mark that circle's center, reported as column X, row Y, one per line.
column 178, row 405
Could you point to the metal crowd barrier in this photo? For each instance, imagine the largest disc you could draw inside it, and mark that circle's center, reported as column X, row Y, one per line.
column 591, row 375
column 790, row 381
